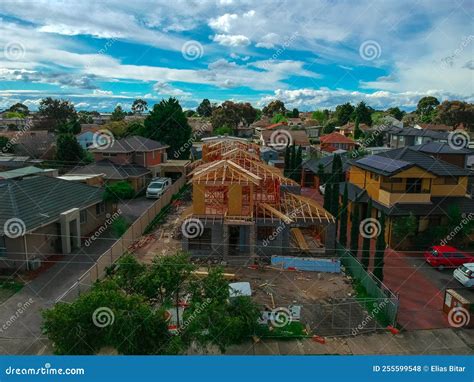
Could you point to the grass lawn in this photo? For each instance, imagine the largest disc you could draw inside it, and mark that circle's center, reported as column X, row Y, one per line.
column 292, row 330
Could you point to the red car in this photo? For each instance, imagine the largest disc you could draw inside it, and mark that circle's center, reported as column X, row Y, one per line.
column 445, row 256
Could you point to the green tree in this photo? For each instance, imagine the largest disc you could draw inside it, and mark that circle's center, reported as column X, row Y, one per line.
column 455, row 113
column 287, row 169
column 380, row 246
column 292, row 161
column 319, row 116
column 5, row 146
column 344, row 217
column 227, row 114
column 330, row 126
column 395, row 112
column 19, row 108
column 205, row 108
column 363, row 113
column 274, row 107
column 139, row 106
column 355, row 229
column 298, row 164
column 115, row 192
column 277, row 118
column 343, row 113
column 57, row 111
column 248, row 114
column 168, row 124
column 328, row 196
column 366, row 242
column 404, row 227
column 68, row 151
column 84, row 117
column 118, row 114
column 357, row 131
column 426, row 107
column 223, row 130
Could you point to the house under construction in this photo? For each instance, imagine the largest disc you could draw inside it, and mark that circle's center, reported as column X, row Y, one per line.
column 244, row 207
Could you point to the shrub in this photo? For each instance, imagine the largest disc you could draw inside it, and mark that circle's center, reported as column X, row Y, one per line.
column 118, row 191
column 119, row 226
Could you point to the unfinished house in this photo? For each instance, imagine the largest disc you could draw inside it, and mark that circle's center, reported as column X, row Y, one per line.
column 244, row 208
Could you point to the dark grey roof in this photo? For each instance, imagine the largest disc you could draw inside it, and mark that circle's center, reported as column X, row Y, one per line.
column 326, row 162
column 131, row 144
column 111, row 170
column 39, row 200
column 382, row 165
column 441, row 148
column 425, row 161
column 412, row 132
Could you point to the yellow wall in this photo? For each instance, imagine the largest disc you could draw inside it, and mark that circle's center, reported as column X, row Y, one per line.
column 198, row 199
column 450, row 189
column 235, row 200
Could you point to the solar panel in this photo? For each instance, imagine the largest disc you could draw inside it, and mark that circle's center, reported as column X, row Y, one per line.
column 383, row 163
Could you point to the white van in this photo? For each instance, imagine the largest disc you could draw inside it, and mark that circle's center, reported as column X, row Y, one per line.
column 157, row 186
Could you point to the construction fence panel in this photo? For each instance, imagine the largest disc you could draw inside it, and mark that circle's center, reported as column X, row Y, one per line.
column 117, row 250
column 103, row 262
column 127, row 239
column 374, row 287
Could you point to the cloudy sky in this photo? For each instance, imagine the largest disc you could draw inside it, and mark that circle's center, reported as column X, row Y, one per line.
column 309, row 53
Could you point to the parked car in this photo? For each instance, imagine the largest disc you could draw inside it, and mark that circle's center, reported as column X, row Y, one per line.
column 157, row 186
column 465, row 275
column 445, row 256
column 322, row 189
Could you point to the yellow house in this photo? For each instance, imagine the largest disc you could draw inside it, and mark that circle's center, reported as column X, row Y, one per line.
column 404, row 181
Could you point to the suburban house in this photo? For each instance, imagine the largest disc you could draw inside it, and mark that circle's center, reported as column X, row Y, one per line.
column 310, row 169
column 248, row 209
column 10, row 161
column 349, row 128
column 201, row 127
column 433, row 127
column 336, row 141
column 23, row 172
column 457, row 156
column 404, row 181
column 41, row 216
column 298, row 137
column 134, row 150
column 409, row 136
column 85, row 139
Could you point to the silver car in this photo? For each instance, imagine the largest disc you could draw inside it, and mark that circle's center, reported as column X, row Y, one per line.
column 157, row 186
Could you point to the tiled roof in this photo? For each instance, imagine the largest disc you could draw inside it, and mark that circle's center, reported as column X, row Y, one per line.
column 326, row 162
column 132, row 144
column 441, row 148
column 299, row 137
column 39, row 200
column 336, row 138
column 111, row 170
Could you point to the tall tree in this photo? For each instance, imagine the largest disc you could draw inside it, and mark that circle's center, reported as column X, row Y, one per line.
column 355, row 229
column 395, row 112
column 344, row 217
column 248, row 114
column 5, row 146
column 168, row 124
column 357, row 131
column 68, row 151
column 455, row 113
column 298, row 163
column 228, row 114
column 343, row 113
column 366, row 242
column 380, row 246
column 328, row 196
column 118, row 114
column 293, row 160
column 426, row 108
column 19, row 108
column 205, row 108
column 139, row 106
column 363, row 113
column 319, row 116
column 287, row 169
column 274, row 107
column 57, row 111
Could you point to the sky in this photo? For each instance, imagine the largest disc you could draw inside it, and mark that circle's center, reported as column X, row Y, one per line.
column 311, row 54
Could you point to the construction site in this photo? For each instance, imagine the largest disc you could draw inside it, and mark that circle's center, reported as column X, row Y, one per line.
column 244, row 209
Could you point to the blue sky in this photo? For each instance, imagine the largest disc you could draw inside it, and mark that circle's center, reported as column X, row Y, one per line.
column 310, row 54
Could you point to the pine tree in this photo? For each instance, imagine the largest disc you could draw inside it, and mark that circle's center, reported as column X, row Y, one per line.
column 357, row 131
column 355, row 229
column 380, row 246
column 344, row 216
column 298, row 162
column 366, row 242
column 292, row 161
column 287, row 160
column 321, row 175
column 328, row 197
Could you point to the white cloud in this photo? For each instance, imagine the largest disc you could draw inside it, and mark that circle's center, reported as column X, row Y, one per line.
column 231, row 40
column 223, row 23
column 163, row 88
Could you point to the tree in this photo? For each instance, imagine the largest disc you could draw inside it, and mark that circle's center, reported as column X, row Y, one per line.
column 294, row 113
column 328, row 196
column 56, row 110
column 68, row 150
column 70, row 127
column 320, row 116
column 168, row 124
column 344, row 217
column 5, row 145
column 84, row 117
column 357, row 131
column 366, row 242
column 118, row 191
column 287, row 169
column 292, row 160
column 205, row 108
column 277, row 118
column 298, row 163
column 395, row 112
column 330, row 126
column 380, row 246
column 426, row 108
column 355, row 229
column 363, row 113
column 189, row 113
column 274, row 107
column 455, row 113
column 223, row 130
column 118, row 114
column 343, row 113
column 404, row 227
column 19, row 108
column 248, row 114
column 139, row 106
column 228, row 114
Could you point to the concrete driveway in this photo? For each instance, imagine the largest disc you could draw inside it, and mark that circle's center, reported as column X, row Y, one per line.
column 133, row 208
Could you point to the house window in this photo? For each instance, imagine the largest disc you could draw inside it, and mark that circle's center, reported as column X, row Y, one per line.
column 100, row 208
column 83, row 216
column 413, row 186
